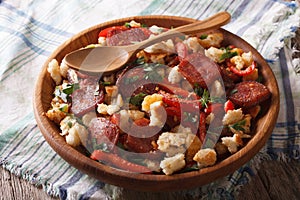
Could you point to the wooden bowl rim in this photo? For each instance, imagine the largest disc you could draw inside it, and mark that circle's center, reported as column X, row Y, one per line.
column 166, row 183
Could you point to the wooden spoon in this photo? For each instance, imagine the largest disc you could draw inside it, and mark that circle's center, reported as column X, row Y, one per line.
column 108, row 59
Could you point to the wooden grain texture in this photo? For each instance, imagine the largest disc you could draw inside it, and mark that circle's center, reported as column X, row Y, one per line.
column 274, row 181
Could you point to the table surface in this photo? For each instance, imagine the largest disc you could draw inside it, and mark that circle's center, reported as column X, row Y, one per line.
column 274, row 179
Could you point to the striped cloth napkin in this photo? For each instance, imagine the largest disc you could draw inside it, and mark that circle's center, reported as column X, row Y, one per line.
column 30, row 30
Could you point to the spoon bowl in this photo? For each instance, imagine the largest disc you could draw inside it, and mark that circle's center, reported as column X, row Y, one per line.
column 108, row 59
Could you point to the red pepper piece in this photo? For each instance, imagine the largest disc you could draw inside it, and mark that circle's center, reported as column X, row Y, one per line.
column 243, row 72
column 115, row 119
column 173, row 111
column 228, row 106
column 108, row 32
column 214, row 107
column 142, row 122
column 118, row 162
column 183, row 104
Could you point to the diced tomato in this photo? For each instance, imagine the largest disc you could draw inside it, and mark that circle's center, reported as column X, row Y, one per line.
column 183, row 104
column 108, row 32
column 115, row 160
column 243, row 72
column 231, row 46
column 173, row 111
column 146, row 31
column 115, row 118
column 142, row 122
column 228, row 106
column 214, row 107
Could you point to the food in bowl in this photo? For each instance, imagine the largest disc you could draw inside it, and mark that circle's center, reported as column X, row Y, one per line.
column 163, row 113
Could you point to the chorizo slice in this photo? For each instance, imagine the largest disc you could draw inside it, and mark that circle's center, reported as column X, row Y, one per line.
column 199, row 69
column 249, row 93
column 143, row 137
column 127, row 37
column 103, row 131
column 87, row 97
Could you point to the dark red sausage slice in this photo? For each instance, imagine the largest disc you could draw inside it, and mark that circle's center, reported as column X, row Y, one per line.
column 104, row 131
column 85, row 99
column 127, row 37
column 249, row 93
column 199, row 69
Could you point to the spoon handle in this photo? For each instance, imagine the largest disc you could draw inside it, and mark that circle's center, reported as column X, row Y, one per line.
column 211, row 23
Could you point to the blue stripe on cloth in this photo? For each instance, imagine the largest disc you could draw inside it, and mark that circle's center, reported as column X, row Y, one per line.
column 267, row 6
column 63, row 189
column 286, row 124
column 19, row 143
column 188, row 7
column 151, row 8
column 87, row 195
column 239, row 10
column 45, row 165
column 26, row 41
column 200, row 14
column 61, row 175
column 32, row 154
column 36, row 22
column 290, row 112
column 229, row 5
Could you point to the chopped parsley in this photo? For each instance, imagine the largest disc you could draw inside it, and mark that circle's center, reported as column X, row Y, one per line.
column 103, row 146
column 198, row 90
column 70, row 88
column 137, row 99
column 228, row 54
column 151, row 72
column 129, row 80
column 205, row 99
column 203, row 36
column 239, row 126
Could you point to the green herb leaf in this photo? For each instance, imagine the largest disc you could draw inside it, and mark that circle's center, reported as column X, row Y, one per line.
column 238, row 125
column 217, row 100
column 191, row 168
column 127, row 25
column 58, row 93
column 228, row 54
column 198, row 90
column 103, row 146
column 140, row 61
column 64, row 107
column 205, row 98
column 203, row 36
column 189, row 117
column 137, row 99
column 151, row 72
column 233, row 91
column 130, row 80
column 70, row 88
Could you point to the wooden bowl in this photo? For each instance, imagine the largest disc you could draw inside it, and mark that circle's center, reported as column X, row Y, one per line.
column 43, row 95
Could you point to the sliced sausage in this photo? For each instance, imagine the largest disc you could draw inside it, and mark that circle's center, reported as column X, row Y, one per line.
column 249, row 93
column 199, row 69
column 127, row 37
column 87, row 97
column 141, row 135
column 133, row 82
column 103, row 131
